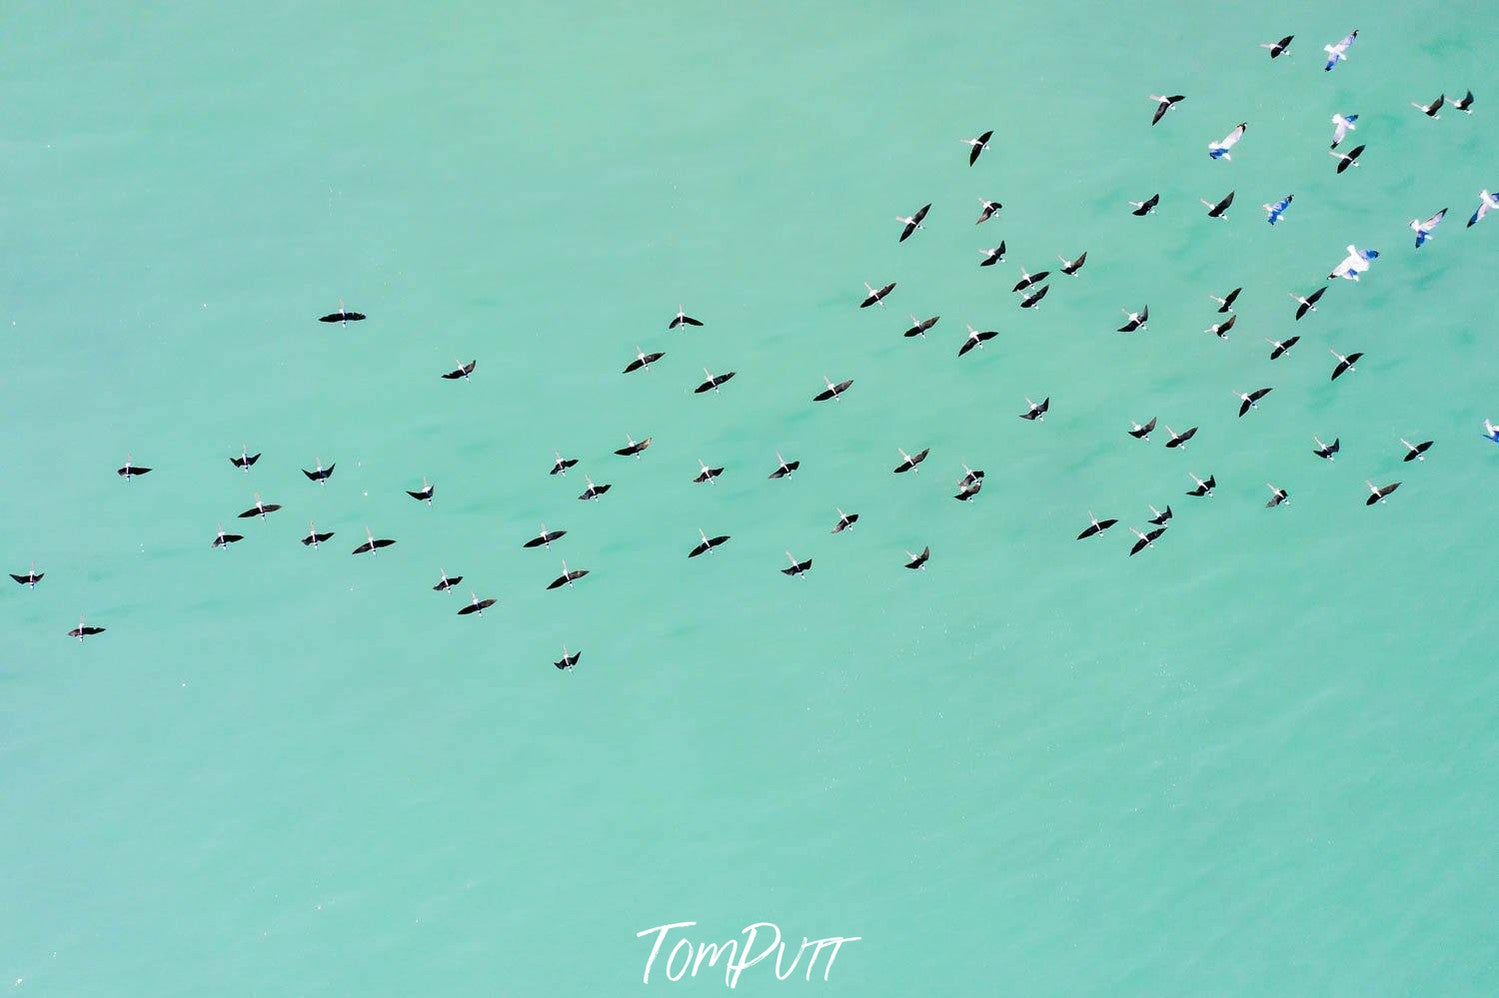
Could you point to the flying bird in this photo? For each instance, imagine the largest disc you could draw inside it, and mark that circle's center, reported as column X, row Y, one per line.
column 1355, row 263
column 1490, row 431
column 1344, row 364
column 1251, row 400
column 314, row 539
column 970, row 484
column 920, row 326
column 1486, row 203
column 223, row 540
column 1337, row 53
column 1350, row 159
column 1423, row 230
column 1275, row 212
column 832, row 391
column 593, row 491
column 1219, row 149
column 1164, row 104
column 1220, row 329
column 634, row 448
column 1465, row 105
column 372, row 543
column 1159, row 517
column 682, row 319
column 798, row 567
column 845, row 520
column 1036, row 412
column 1342, row 124
column 1309, row 303
column 446, row 583
column 1416, row 452
column 1203, row 488
column 1034, row 298
column 988, row 209
column 1145, row 540
column 1278, row 495
column 1180, row 439
column 559, row 468
column 1278, row 347
column 783, row 467
column 876, row 297
column 1135, row 320
column 1096, row 526
column 84, row 630
column 1277, row 49
column 1377, row 493
column 320, row 474
column 706, row 474
column 707, row 544
column 642, row 361
column 918, row 561
column 979, row 145
column 910, row 461
column 567, row 577
column 913, row 223
column 342, row 316
column 462, row 371
column 1143, row 208
column 568, row 661
column 1432, row 110
column 712, row 381
column 425, row 493
column 1327, row 452
column 545, row 538
column 1070, row 267
column 129, row 471
column 1219, row 209
column 245, row 460
column 1027, row 279
column 260, row 509
column 976, row 339
column 993, row 255
column 476, row 605
column 1226, row 303
column 30, row 579
column 1142, row 431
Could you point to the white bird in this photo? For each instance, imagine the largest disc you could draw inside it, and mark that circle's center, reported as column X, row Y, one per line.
column 1424, row 229
column 1337, row 53
column 1219, row 150
column 1491, row 431
column 1486, row 203
column 1355, row 263
column 1341, row 125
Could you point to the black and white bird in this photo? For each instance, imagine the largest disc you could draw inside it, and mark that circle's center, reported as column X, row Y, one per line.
column 1465, row 105
column 642, row 360
column 978, row 145
column 784, row 467
column 832, row 391
column 913, row 223
column 682, row 319
column 1277, row 49
column 423, row 494
column 876, row 297
column 568, row 577
column 342, row 316
column 1071, row 267
column 845, row 520
column 987, row 210
column 545, row 538
column 85, row 630
column 1036, row 411
column 1135, row 320
column 320, row 474
column 918, row 561
column 1204, row 488
column 447, row 582
column 1416, row 452
column 1164, row 104
column 1251, row 400
column 797, row 567
column 372, row 543
column 711, row 381
column 476, row 605
column 1158, row 517
column 245, row 460
column 1309, row 303
column 1226, row 303
column 314, row 539
column 1034, row 298
column 1027, row 279
column 1142, row 431
column 592, row 493
column 970, row 485
column 707, row 543
column 1219, row 209
column 1279, row 347
column 1345, row 160
column 568, row 660
column 30, row 579
column 1221, row 329
column 1143, row 208
column 633, row 448
column 1377, row 493
column 1144, row 540
column 462, row 371
column 1423, row 230
column 1327, row 452
column 1344, row 364
column 1180, row 439
column 1278, row 495
column 223, row 540
column 993, row 255
column 920, row 326
column 705, row 473
column 1220, row 149
column 976, row 338
column 260, row 509
column 128, row 471
column 910, row 461
column 1096, row 526
column 1432, row 110
column 558, row 468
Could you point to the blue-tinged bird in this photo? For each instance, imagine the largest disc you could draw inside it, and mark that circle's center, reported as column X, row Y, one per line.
column 1355, row 263
column 1342, row 124
column 1337, row 53
column 1278, row 209
column 1486, row 203
column 1219, row 150
column 1424, row 229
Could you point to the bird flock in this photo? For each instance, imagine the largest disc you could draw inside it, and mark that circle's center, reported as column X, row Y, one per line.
column 1031, row 289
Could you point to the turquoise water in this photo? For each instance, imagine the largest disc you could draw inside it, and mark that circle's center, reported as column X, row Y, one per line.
column 1257, row 758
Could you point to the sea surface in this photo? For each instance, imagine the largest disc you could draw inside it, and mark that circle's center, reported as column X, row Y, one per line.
column 1258, row 758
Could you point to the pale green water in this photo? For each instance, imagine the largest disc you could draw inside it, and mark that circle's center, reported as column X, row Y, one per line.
column 1258, row 758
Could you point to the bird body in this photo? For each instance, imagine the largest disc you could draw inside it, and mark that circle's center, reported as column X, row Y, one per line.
column 1423, row 230
column 1164, row 104
column 1342, row 124
column 1275, row 212
column 1337, row 52
column 1219, row 149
